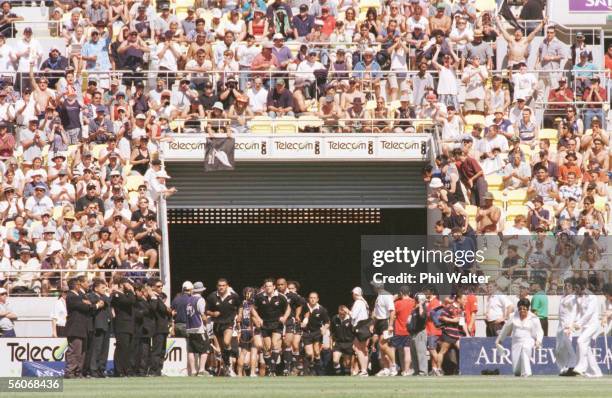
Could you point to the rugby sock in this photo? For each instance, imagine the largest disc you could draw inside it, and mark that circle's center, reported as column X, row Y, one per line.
column 225, row 355
column 275, row 355
column 268, row 361
column 288, row 359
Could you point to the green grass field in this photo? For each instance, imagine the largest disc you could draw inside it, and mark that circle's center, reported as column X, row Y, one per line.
column 324, row 387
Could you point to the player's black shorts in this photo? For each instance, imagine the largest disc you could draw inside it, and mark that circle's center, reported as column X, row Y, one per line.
column 310, row 337
column 220, row 327
column 449, row 339
column 380, row 325
column 198, row 343
column 344, row 347
column 268, row 328
column 292, row 326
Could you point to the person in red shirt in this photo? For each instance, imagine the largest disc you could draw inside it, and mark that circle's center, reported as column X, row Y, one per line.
column 569, row 166
column 329, row 22
column 401, row 337
column 433, row 333
column 471, row 309
column 594, row 97
column 472, row 176
column 562, row 97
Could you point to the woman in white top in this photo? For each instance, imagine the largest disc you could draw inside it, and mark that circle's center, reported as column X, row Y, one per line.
column 527, row 333
column 447, row 82
column 350, row 21
column 360, row 317
column 75, row 42
column 58, row 316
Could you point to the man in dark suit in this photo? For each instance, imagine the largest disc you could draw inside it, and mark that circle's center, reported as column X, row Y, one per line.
column 162, row 314
column 123, row 301
column 77, row 326
column 101, row 328
column 143, row 330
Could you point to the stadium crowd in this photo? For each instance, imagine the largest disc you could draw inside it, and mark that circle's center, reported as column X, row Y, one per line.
column 524, row 151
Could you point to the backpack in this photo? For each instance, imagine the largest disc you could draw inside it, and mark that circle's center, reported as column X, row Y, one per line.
column 435, row 315
column 417, row 322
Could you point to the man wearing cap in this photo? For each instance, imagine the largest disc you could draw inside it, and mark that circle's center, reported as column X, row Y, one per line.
column 28, row 51
column 583, row 71
column 303, row 22
column 488, row 216
column 525, row 83
column 550, row 55
column 560, row 98
column 96, row 12
column 198, row 344
column 23, row 262
column 368, row 69
column 179, row 308
column 100, row 126
column 403, row 116
column 517, row 172
column 306, row 69
column 474, row 77
column 95, row 53
column 56, row 64
column 62, row 191
column 38, row 203
column 7, row 316
column 280, row 100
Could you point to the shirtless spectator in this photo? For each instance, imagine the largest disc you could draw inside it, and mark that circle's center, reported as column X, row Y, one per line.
column 488, row 216
column 518, row 45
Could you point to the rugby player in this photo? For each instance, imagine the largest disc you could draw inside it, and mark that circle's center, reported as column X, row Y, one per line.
column 222, row 308
column 269, row 313
column 292, row 326
column 314, row 324
column 342, row 337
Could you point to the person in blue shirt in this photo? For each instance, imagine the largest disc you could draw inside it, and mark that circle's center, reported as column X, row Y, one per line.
column 95, row 51
column 583, row 71
column 369, row 70
column 249, row 7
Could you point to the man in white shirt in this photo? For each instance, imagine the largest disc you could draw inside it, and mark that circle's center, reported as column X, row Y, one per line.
column 588, row 326
column 38, row 204
column 525, row 84
column 307, row 67
column 474, row 77
column 258, row 97
column 28, row 50
column 383, row 330
column 564, row 351
column 498, row 308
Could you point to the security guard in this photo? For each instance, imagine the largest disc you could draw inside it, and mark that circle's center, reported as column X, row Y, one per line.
column 144, row 326
column 179, row 306
column 162, row 315
column 102, row 317
column 123, row 301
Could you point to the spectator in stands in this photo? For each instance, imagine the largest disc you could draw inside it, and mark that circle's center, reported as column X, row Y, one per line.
column 518, row 45
column 447, row 83
column 583, row 71
column 472, row 176
column 474, row 77
column 550, row 55
column 420, row 82
column 280, row 100
column 517, row 173
column 488, row 216
column 369, row 71
column 7, row 316
column 594, row 96
column 7, row 20
column 543, row 186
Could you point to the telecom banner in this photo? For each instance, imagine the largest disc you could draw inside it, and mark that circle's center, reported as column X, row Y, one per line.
column 45, row 356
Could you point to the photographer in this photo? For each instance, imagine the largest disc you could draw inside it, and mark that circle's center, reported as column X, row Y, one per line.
column 230, row 93
column 149, row 237
column 418, row 333
column 100, row 127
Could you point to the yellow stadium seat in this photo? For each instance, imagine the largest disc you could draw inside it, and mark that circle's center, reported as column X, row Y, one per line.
column 127, row 169
column 365, row 4
column 370, row 105
column 58, row 212
column 513, row 211
column 285, row 125
column 498, row 198
column 393, row 105
column 260, row 125
column 550, row 134
column 471, row 211
column 95, row 151
column 474, row 119
column 494, row 182
column 132, row 182
column 485, row 5
column 516, row 197
column 490, row 266
column 600, row 203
